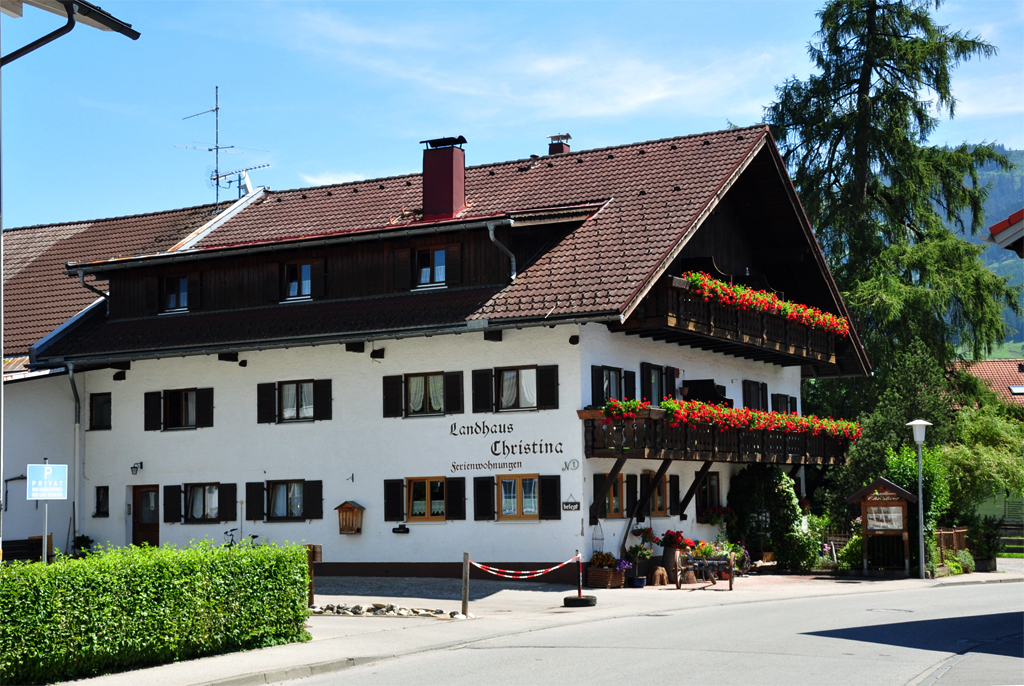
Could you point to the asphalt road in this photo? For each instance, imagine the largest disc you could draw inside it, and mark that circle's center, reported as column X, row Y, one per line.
column 921, row 637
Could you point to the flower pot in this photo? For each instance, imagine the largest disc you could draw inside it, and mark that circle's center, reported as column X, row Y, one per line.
column 637, row 581
column 598, row 577
column 985, row 564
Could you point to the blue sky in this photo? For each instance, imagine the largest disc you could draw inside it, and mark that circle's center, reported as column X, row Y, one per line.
column 341, row 91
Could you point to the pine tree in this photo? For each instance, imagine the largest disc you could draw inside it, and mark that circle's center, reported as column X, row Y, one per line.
column 888, row 207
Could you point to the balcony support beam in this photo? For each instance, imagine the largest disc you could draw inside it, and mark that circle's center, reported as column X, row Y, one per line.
column 697, row 481
column 605, row 486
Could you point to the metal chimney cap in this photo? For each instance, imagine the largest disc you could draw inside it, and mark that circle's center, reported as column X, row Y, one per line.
column 445, row 142
column 559, row 137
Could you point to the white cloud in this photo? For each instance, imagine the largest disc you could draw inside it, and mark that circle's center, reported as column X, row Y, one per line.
column 329, row 178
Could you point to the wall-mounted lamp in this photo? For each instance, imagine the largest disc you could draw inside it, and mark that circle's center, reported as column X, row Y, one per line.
column 136, row 467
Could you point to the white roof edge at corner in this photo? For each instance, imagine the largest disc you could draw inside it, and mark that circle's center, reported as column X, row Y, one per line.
column 205, row 230
column 60, row 329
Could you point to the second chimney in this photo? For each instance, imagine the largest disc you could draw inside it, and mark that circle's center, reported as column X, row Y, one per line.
column 444, row 178
column 558, row 144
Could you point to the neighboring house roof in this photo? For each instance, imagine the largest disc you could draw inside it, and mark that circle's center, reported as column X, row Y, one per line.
column 39, row 296
column 1009, row 233
column 1001, row 376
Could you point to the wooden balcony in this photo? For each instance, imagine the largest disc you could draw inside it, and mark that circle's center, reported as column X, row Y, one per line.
column 653, row 438
column 671, row 312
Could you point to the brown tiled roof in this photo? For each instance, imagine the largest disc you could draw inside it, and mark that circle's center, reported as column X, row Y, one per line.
column 264, row 325
column 999, row 375
column 654, row 192
column 38, row 296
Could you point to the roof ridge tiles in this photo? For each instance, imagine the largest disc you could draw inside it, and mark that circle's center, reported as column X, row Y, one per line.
column 110, row 219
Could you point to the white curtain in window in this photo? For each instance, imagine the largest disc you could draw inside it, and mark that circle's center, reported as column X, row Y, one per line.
column 415, row 394
column 439, row 266
column 509, row 506
column 306, row 401
column 195, row 502
column 437, row 499
column 212, row 508
column 530, row 496
column 295, row 499
column 508, row 389
column 424, row 275
column 436, row 393
column 307, row 279
column 527, row 388
column 279, row 500
column 419, row 498
column 288, row 401
column 190, row 406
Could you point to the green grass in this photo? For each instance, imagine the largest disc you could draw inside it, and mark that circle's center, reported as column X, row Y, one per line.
column 1017, row 555
column 1008, row 351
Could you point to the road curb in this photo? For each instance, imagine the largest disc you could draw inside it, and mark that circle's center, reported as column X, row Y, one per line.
column 980, row 582
column 272, row 676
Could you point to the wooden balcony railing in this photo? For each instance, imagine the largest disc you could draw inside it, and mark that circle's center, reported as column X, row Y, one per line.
column 671, row 309
column 655, row 438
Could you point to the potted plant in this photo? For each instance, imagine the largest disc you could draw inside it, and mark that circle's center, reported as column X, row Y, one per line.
column 986, row 543
column 80, row 545
column 636, row 554
column 604, row 571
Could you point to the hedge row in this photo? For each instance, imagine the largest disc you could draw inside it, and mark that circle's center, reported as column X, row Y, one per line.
column 126, row 608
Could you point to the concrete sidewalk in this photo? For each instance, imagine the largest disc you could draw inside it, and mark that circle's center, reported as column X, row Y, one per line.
column 502, row 608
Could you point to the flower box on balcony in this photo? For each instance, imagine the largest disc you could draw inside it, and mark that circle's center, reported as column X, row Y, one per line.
column 598, row 577
column 652, row 413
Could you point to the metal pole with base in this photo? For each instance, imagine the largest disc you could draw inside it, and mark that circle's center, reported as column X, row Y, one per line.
column 919, row 426
column 465, row 584
column 579, row 600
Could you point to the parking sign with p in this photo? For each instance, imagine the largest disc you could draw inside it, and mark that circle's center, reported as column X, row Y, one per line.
column 47, row 482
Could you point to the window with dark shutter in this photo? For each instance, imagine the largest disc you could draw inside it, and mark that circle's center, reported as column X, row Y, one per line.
column 645, row 485
column 628, row 385
column 172, row 504
column 255, row 501
column 551, row 497
column 669, row 384
column 227, row 502
column 673, row 495
column 597, row 386
column 152, row 295
column 631, row 497
column 600, row 495
column 792, row 404
column 483, row 391
column 394, row 500
column 455, row 498
column 195, row 291
column 646, row 387
column 453, row 264
column 317, row 278
column 313, row 499
column 322, row 399
column 751, row 394
column 453, row 394
column 547, row 387
column 204, row 407
column 763, row 399
column 266, row 403
column 152, row 407
column 483, row 498
column 271, row 283
column 393, row 405
column 403, row 269
column 780, row 402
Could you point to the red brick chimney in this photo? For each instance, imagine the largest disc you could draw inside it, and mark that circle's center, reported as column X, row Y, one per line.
column 444, row 178
column 558, row 145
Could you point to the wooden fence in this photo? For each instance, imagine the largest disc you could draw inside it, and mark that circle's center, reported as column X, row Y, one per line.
column 950, row 540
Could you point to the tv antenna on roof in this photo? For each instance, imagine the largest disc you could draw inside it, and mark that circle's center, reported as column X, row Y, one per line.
column 216, row 176
column 242, row 181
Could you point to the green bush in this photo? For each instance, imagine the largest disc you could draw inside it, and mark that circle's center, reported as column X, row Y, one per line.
column 798, row 550
column 966, row 560
column 986, row 537
column 126, row 608
column 852, row 554
column 952, row 563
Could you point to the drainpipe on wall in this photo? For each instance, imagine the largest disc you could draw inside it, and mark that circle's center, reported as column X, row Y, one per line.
column 490, row 232
column 105, row 296
column 78, row 428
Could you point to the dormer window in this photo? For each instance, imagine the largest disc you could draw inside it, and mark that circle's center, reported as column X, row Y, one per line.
column 176, row 294
column 298, row 280
column 430, row 268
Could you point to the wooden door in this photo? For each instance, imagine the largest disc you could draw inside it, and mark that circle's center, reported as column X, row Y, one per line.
column 146, row 515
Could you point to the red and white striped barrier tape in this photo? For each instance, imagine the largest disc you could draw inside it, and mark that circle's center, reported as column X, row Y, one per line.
column 521, row 574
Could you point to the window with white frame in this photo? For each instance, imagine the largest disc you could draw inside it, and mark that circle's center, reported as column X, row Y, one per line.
column 296, row 400
column 517, row 388
column 298, row 281
column 424, row 394
column 175, row 294
column 520, row 496
column 430, row 268
column 201, row 502
column 285, row 499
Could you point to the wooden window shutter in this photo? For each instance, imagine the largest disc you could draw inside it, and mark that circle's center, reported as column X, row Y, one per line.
column 780, row 402
column 483, row 390
column 313, row 500
column 152, row 295
column 629, row 385
column 403, row 269
column 673, row 495
column 204, row 407
column 645, row 384
column 172, row 504
column 195, row 292
column 322, row 399
column 453, row 395
column 271, row 283
column 453, row 264
column 792, row 403
column 393, row 405
column 394, row 500
column 455, row 498
column 631, row 496
column 483, row 498
column 668, row 383
column 751, row 394
column 764, row 397
column 599, row 495
column 254, row 501
column 597, row 386
column 547, row 387
column 227, row 502
column 645, row 483
column 152, row 408
column 266, row 403
column 317, row 288
column 550, row 488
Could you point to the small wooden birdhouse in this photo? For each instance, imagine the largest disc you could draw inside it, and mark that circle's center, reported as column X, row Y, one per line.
column 350, row 517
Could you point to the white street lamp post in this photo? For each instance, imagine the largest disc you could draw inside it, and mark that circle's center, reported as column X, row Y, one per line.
column 919, row 425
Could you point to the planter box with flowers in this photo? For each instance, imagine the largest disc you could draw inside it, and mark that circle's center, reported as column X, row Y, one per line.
column 605, row 571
